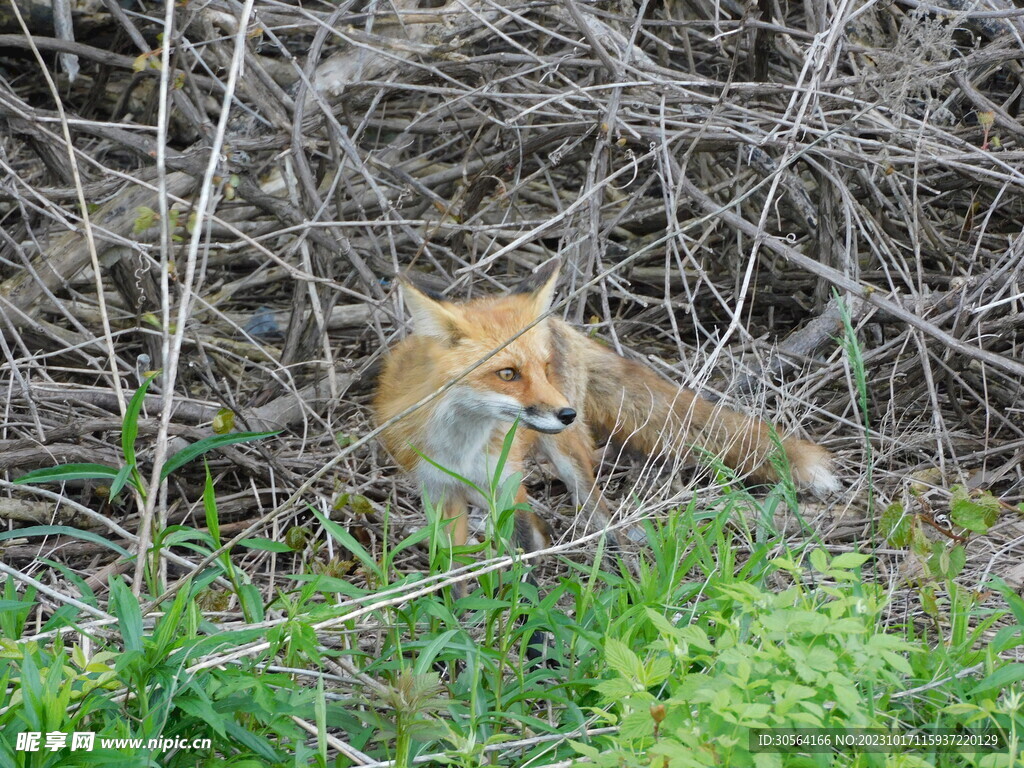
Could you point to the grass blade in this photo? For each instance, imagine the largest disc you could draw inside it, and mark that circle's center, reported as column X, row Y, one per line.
column 185, row 455
column 121, row 480
column 69, row 472
column 130, row 426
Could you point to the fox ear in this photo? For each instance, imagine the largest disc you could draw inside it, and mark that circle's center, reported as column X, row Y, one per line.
column 431, row 314
column 540, row 286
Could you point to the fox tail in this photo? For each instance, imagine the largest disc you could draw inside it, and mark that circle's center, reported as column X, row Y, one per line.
column 637, row 408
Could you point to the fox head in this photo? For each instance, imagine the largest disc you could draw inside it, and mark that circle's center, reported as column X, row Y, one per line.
column 519, row 380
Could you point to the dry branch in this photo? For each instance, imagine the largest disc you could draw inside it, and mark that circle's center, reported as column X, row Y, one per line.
column 724, row 167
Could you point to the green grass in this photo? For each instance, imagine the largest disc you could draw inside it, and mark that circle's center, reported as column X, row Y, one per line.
column 676, row 664
column 720, row 629
column 672, row 666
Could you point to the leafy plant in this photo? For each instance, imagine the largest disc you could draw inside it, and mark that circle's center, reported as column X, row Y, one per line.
column 749, row 658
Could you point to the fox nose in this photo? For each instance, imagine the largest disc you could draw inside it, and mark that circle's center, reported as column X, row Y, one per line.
column 566, row 415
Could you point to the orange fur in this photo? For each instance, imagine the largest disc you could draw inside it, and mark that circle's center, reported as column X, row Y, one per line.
column 565, row 385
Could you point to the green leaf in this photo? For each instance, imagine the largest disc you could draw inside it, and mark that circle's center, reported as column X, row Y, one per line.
column 412, row 539
column 662, row 624
column 975, row 514
column 70, row 472
column 973, row 517
column 957, row 561
column 615, row 689
column 1000, row 679
column 929, row 603
column 121, row 480
column 425, row 661
column 130, row 426
column 476, row 602
column 696, row 637
column 585, row 749
column 896, row 525
column 1007, row 638
column 251, row 601
column 898, row 662
column 506, row 449
column 146, row 217
column 168, row 626
column 330, row 584
column 348, row 541
column 819, row 560
column 125, row 606
column 850, row 560
column 657, row 671
column 185, row 455
column 636, row 725
column 938, row 561
column 920, row 544
column 210, row 507
column 265, row 545
column 622, row 659
column 1013, row 600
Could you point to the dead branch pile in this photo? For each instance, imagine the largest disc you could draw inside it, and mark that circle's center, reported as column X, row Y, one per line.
column 227, row 197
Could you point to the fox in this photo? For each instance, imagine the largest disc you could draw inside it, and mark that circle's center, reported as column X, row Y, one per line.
column 565, row 390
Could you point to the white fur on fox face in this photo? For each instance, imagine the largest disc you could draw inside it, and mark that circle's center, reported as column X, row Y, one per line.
column 542, row 421
column 498, row 407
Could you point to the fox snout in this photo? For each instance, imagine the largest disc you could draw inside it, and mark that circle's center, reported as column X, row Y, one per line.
column 566, row 415
column 550, row 421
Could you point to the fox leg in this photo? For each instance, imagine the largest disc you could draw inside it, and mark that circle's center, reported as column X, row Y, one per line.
column 455, row 513
column 532, row 533
column 456, row 508
column 571, row 453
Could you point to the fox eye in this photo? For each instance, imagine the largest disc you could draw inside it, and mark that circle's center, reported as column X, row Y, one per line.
column 508, row 374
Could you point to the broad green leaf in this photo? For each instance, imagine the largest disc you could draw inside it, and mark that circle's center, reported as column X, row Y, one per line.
column 615, row 689
column 425, row 660
column 125, row 606
column 657, row 671
column 622, row 659
column 252, row 603
column 69, row 472
column 585, row 749
column 819, row 560
column 850, row 560
column 637, row 725
column 957, row 561
column 895, row 524
column 975, row 513
column 185, row 455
